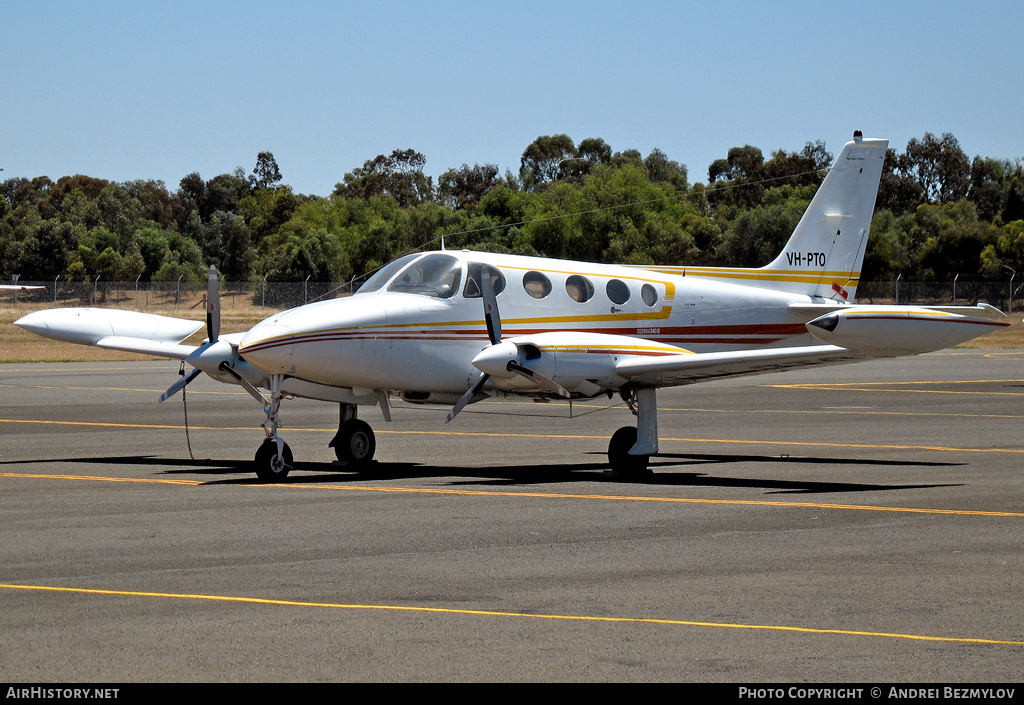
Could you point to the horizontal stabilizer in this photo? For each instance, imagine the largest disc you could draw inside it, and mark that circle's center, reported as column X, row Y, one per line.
column 905, row 330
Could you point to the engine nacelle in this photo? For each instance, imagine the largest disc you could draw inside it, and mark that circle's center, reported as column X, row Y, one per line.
column 581, row 362
column 900, row 330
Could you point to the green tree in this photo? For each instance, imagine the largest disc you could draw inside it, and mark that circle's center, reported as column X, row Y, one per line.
column 266, row 174
column 939, row 166
column 398, row 175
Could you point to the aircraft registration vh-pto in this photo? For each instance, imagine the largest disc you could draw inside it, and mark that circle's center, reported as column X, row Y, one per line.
column 428, row 326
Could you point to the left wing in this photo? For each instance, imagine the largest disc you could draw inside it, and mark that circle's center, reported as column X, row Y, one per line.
column 689, row 368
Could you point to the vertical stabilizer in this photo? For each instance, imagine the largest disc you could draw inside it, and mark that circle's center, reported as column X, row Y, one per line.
column 824, row 255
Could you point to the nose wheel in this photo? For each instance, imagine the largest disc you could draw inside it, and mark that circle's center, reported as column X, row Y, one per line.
column 271, row 466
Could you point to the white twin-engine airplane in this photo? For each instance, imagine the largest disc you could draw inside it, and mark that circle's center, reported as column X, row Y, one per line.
column 427, row 326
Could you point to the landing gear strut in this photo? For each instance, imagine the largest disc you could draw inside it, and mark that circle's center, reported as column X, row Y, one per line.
column 274, row 458
column 630, row 449
column 354, row 444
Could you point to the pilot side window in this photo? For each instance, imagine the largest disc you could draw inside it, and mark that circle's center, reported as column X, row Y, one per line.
column 579, row 288
column 536, row 284
column 474, row 276
column 617, row 291
column 434, row 275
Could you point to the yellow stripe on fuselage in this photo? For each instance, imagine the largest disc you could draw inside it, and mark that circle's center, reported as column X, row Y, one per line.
column 796, row 276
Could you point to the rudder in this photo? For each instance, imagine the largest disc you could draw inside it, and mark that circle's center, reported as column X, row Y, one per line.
column 823, row 256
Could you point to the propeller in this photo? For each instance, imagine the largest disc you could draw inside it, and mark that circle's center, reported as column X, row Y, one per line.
column 212, row 354
column 497, row 349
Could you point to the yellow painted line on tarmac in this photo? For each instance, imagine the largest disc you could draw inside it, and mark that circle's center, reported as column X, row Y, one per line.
column 533, row 495
column 75, row 370
column 554, row 436
column 901, row 387
column 668, row 500
column 113, row 389
column 101, row 478
column 831, row 411
column 500, row 613
column 110, row 424
column 809, row 444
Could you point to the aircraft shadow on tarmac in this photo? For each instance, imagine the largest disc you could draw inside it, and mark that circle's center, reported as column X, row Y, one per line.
column 520, row 475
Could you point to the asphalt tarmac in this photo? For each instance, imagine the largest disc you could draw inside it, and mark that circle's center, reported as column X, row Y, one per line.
column 848, row 524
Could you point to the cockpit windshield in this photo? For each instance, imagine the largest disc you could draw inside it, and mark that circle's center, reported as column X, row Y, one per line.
column 435, row 275
column 384, row 274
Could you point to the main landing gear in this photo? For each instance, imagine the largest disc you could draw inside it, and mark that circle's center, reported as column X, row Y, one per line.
column 630, row 449
column 354, row 444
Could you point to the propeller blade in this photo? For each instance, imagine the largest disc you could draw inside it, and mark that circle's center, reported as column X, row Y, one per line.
column 491, row 315
column 545, row 383
column 179, row 385
column 465, row 399
column 255, row 393
column 493, row 320
column 212, row 305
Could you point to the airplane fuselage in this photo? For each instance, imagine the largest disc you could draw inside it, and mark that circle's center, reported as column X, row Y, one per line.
column 420, row 335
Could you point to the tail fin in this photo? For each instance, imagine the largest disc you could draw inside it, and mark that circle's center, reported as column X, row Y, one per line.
column 826, row 250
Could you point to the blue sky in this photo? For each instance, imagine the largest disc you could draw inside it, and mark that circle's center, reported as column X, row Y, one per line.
column 146, row 90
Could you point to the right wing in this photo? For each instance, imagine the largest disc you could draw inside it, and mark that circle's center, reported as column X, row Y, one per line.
column 114, row 329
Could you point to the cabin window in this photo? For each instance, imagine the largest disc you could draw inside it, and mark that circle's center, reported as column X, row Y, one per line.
column 617, row 291
column 579, row 288
column 474, row 276
column 434, row 275
column 384, row 274
column 536, row 284
column 649, row 294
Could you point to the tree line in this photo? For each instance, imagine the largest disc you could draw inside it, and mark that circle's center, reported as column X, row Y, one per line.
column 938, row 214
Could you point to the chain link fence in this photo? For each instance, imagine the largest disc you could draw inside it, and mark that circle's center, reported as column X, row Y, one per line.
column 176, row 298
column 1003, row 295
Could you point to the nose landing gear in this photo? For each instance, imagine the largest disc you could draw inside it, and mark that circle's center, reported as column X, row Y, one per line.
column 274, row 459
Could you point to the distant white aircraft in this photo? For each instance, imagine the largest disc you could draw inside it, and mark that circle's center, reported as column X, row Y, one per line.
column 19, row 287
column 428, row 326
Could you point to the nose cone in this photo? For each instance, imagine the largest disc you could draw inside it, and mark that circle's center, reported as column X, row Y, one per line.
column 494, row 359
column 269, row 345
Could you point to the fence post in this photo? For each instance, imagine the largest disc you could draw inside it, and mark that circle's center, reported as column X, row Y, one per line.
column 95, row 296
column 55, row 288
column 954, row 288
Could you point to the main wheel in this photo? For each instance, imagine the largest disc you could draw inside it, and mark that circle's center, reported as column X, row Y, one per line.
column 356, row 443
column 268, row 467
column 618, row 453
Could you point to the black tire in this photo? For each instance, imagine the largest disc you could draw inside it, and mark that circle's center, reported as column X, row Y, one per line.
column 356, row 443
column 618, row 454
column 267, row 467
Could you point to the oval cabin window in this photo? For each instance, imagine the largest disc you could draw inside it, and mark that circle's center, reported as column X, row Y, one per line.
column 579, row 288
column 617, row 291
column 536, row 284
column 649, row 294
